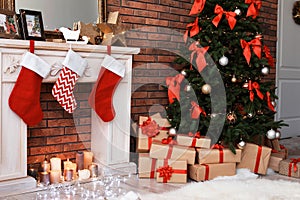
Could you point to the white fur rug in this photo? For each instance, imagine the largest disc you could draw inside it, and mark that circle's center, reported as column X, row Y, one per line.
column 243, row 186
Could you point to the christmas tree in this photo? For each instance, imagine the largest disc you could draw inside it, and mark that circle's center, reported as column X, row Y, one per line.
column 221, row 92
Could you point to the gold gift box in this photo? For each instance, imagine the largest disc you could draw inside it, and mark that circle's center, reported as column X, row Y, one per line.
column 146, row 166
column 203, row 142
column 210, row 156
column 178, row 168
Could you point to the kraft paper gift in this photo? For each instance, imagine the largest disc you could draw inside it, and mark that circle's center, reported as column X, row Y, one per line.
column 282, row 153
column 290, row 167
column 209, row 156
column 256, row 158
column 206, row 172
column 274, row 163
column 146, row 166
column 185, row 140
column 171, row 171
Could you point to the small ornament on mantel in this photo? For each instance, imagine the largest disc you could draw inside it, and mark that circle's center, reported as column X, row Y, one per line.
column 88, row 30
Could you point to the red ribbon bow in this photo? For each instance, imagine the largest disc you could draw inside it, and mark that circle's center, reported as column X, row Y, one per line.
column 196, row 110
column 197, row 7
column 174, row 87
column 200, row 52
column 256, row 47
column 169, row 140
column 230, row 16
column 255, row 86
column 270, row 105
column 293, row 164
column 150, row 127
column 165, row 172
column 192, row 29
column 254, row 8
column 196, row 135
column 268, row 56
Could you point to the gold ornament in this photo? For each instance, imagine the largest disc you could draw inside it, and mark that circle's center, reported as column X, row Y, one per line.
column 206, row 89
column 172, row 131
column 241, row 144
column 233, row 79
column 231, row 117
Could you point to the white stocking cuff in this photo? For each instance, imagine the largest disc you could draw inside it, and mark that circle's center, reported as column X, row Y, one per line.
column 75, row 62
column 113, row 65
column 36, row 64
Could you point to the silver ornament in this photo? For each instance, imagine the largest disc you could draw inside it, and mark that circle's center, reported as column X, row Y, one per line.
column 233, row 79
column 271, row 134
column 278, row 134
column 246, row 85
column 238, row 11
column 241, row 144
column 265, row 71
column 223, row 60
column 188, row 88
column 172, row 131
column 183, row 72
column 273, row 103
column 206, row 89
column 250, row 115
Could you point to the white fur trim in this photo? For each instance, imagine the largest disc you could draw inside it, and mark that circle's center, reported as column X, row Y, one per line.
column 36, row 64
column 113, row 65
column 75, row 62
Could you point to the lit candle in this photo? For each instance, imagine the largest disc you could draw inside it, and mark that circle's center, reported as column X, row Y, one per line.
column 55, row 176
column 68, row 174
column 45, row 165
column 93, row 170
column 79, row 160
column 55, row 164
column 88, row 159
column 67, row 164
column 44, row 178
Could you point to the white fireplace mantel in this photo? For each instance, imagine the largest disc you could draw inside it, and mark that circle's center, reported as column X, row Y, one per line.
column 109, row 141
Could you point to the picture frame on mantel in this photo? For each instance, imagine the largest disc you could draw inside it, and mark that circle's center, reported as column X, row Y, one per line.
column 8, row 24
column 32, row 25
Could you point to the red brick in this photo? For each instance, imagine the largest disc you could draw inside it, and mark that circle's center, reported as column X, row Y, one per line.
column 46, row 132
column 154, row 36
column 85, row 121
column 144, row 58
column 180, row 11
column 84, row 137
column 139, row 95
column 171, row 3
column 62, row 139
column 45, row 150
column 78, row 129
column 60, row 122
column 157, row 7
column 76, row 146
column 35, row 159
column 33, row 142
column 133, row 4
column 143, row 72
column 169, row 16
column 145, row 13
column 53, row 114
column 157, row 22
column 157, row 94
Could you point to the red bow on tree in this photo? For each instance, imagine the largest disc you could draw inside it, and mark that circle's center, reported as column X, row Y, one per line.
column 200, row 52
column 254, row 8
column 169, row 140
column 268, row 56
column 230, row 16
column 196, row 110
column 150, row 127
column 174, row 87
column 256, row 47
column 197, row 7
column 270, row 105
column 192, row 29
column 255, row 86
column 165, row 172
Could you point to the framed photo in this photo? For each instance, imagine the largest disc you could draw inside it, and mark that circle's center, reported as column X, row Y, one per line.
column 8, row 25
column 32, row 24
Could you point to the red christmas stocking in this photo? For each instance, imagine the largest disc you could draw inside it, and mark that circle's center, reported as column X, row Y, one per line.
column 24, row 99
column 74, row 66
column 101, row 97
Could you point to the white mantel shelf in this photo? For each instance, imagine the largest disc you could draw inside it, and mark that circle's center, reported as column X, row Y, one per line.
column 110, row 142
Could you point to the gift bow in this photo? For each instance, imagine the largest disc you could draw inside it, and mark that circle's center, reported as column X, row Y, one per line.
column 230, row 16
column 150, row 127
column 268, row 56
column 197, row 7
column 200, row 52
column 196, row 135
column 165, row 172
column 255, row 86
column 221, row 152
column 196, row 110
column 294, row 161
column 174, row 87
column 256, row 47
column 169, row 140
column 254, row 8
column 192, row 28
column 270, row 105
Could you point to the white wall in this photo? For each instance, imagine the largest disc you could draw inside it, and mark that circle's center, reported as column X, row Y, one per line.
column 58, row 13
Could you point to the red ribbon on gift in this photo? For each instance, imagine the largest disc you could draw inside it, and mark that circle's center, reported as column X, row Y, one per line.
column 255, row 86
column 254, row 8
column 197, row 7
column 174, row 87
column 195, row 136
column 206, row 176
column 293, row 164
column 221, row 152
column 150, row 127
column 153, row 164
column 258, row 158
column 196, row 110
column 192, row 29
column 166, row 171
column 256, row 47
column 230, row 16
column 270, row 105
column 268, row 55
column 170, row 141
column 200, row 52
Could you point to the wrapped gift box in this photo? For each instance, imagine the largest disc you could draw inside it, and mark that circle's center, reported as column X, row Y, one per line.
column 256, row 158
column 274, row 144
column 171, row 171
column 290, row 167
column 274, row 163
column 203, row 172
column 209, row 156
column 203, row 142
column 144, row 142
column 174, row 152
column 146, row 166
column 282, row 153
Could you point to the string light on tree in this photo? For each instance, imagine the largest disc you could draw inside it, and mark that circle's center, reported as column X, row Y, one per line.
column 223, row 60
column 206, row 89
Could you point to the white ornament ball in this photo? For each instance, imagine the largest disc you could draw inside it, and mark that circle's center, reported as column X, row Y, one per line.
column 241, row 144
column 172, row 131
column 265, row 71
column 271, row 134
column 206, row 89
column 273, row 103
column 277, row 134
column 238, row 11
column 183, row 72
column 223, row 60
column 246, row 85
column 233, row 79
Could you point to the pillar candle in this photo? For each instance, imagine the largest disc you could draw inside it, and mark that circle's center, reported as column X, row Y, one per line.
column 68, row 174
column 45, row 165
column 55, row 176
column 79, row 160
column 93, row 170
column 44, row 178
column 67, row 164
column 55, row 164
column 88, row 159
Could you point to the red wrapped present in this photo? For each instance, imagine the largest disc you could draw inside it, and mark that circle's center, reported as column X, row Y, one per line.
column 146, row 166
column 290, row 167
column 171, row 171
column 256, row 158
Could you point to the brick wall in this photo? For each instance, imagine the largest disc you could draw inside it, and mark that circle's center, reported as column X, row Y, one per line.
column 57, row 135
